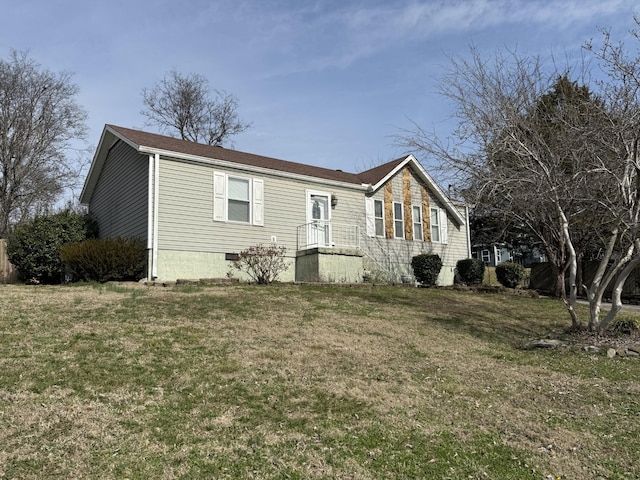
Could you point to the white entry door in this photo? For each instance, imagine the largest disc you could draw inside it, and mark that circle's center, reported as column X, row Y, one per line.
column 319, row 229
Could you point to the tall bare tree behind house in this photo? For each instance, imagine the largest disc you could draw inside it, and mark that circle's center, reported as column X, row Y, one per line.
column 184, row 105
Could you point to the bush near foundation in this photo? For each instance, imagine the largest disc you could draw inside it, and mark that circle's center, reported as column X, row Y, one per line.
column 426, row 268
column 470, row 271
column 509, row 274
column 33, row 247
column 263, row 263
column 106, row 259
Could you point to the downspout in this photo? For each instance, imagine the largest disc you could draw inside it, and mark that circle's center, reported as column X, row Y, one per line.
column 466, row 214
column 150, row 223
column 156, row 201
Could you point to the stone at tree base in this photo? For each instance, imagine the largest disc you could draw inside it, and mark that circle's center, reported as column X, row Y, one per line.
column 546, row 343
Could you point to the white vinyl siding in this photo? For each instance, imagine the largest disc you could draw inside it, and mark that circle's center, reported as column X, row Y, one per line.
column 398, row 220
column 416, row 212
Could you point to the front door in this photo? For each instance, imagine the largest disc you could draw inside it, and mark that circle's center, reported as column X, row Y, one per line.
column 319, row 231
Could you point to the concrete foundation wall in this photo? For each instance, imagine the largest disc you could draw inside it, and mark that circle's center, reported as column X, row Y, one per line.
column 173, row 265
column 334, row 265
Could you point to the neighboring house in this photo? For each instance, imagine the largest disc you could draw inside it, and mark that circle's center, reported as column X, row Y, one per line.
column 198, row 206
column 495, row 253
column 492, row 254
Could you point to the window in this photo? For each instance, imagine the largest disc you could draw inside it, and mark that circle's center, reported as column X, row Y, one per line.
column 416, row 210
column 239, row 202
column 485, row 256
column 378, row 213
column 238, row 199
column 498, row 255
column 439, row 225
column 398, row 220
column 435, row 225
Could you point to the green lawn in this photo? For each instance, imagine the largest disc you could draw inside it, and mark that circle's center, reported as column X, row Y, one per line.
column 304, row 382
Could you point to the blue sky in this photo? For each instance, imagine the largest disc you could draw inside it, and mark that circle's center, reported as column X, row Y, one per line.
column 323, row 82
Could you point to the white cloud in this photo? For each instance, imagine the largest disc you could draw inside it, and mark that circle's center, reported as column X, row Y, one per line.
column 319, row 38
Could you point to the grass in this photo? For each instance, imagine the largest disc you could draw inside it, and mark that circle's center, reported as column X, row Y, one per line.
column 113, row 381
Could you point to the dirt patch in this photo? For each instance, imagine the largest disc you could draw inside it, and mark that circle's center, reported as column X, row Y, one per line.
column 585, row 339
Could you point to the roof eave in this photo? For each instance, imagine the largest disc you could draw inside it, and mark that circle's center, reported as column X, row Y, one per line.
column 107, row 139
column 248, row 168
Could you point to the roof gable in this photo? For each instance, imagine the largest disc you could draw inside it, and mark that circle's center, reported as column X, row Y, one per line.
column 392, row 168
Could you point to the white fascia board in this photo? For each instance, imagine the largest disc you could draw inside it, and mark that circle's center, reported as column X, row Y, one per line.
column 104, row 145
column 249, row 168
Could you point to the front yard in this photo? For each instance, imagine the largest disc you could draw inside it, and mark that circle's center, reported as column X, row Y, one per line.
column 304, row 382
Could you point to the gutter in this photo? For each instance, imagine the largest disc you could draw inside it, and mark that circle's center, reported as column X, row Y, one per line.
column 466, row 214
column 249, row 168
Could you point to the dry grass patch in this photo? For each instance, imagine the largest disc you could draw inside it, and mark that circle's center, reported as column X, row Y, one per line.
column 303, row 382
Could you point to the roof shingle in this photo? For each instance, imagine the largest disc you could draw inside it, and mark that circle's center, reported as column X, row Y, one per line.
column 171, row 144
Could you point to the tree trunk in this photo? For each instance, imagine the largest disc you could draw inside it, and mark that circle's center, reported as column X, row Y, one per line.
column 572, row 263
column 616, row 295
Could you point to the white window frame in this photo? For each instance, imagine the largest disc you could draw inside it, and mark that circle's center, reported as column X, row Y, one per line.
column 380, row 218
column 435, row 227
column 417, row 222
column 248, row 201
column 485, row 256
column 221, row 199
column 398, row 221
column 441, row 226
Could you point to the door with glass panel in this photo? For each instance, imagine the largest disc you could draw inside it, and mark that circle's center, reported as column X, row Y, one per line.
column 319, row 229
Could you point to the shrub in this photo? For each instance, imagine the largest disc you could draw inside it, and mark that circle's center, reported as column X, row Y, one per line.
column 426, row 268
column 624, row 326
column 509, row 274
column 470, row 271
column 263, row 263
column 33, row 248
column 106, row 259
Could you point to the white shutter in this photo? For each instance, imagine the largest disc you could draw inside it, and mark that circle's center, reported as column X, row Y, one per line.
column 258, row 202
column 444, row 234
column 370, row 216
column 219, row 196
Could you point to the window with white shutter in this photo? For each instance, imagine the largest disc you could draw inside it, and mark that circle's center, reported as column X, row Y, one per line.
column 238, row 199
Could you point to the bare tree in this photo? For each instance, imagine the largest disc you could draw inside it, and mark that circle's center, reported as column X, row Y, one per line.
column 183, row 104
column 39, row 120
column 547, row 152
column 621, row 92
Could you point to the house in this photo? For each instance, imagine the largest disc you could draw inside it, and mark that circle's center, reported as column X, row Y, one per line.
column 494, row 253
column 197, row 206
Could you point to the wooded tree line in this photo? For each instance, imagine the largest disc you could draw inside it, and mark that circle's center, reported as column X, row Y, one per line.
column 551, row 154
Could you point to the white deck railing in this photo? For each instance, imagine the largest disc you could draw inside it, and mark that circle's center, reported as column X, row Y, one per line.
column 322, row 233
